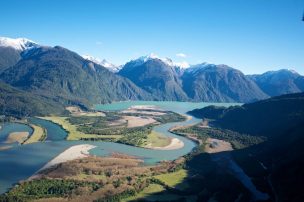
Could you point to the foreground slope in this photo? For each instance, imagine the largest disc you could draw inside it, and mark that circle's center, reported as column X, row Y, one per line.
column 276, row 165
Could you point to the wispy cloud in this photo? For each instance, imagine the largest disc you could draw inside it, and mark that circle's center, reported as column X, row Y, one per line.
column 181, row 55
column 183, row 64
column 98, row 43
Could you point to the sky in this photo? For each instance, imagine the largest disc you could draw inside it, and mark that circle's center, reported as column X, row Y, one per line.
column 251, row 35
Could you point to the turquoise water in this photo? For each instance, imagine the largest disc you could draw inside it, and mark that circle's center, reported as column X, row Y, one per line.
column 8, row 128
column 23, row 161
column 54, row 131
column 179, row 107
column 154, row 156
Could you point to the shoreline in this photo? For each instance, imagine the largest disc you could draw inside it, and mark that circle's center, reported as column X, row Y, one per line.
column 19, row 137
column 175, row 143
column 72, row 153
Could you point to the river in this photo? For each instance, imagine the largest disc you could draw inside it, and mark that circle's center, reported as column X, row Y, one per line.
column 20, row 162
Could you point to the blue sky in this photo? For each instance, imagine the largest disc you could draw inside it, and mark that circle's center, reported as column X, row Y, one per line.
column 251, row 35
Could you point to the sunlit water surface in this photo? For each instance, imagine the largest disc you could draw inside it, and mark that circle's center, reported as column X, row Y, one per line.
column 20, row 162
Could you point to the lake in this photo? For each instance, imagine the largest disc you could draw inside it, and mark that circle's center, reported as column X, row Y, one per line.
column 23, row 161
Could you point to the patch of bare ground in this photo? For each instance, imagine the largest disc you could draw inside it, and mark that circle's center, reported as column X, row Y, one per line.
column 74, row 152
column 175, row 143
column 137, row 121
column 145, row 109
column 204, row 124
column 76, row 111
column 19, row 137
column 5, row 147
column 214, row 145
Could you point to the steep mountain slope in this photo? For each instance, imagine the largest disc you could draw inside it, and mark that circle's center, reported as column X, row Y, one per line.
column 104, row 63
column 20, row 44
column 208, row 82
column 276, row 165
column 11, row 50
column 19, row 103
column 279, row 82
column 259, row 118
column 156, row 76
column 8, row 57
column 59, row 73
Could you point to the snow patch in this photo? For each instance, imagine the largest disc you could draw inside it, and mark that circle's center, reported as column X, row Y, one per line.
column 167, row 61
column 104, row 63
column 20, row 44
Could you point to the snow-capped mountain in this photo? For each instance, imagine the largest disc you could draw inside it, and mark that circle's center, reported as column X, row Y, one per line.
column 12, row 50
column 20, row 44
column 167, row 61
column 110, row 66
column 281, row 72
column 104, row 63
column 195, row 68
column 92, row 59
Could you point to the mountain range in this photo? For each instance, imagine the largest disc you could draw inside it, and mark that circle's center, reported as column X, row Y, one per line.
column 63, row 76
column 279, row 82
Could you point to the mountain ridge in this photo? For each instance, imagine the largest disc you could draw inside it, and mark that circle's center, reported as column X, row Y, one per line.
column 59, row 73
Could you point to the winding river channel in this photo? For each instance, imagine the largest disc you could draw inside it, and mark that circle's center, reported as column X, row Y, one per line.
column 22, row 161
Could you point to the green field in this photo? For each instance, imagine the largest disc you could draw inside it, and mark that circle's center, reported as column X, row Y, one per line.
column 111, row 128
column 174, row 179
column 155, row 139
column 74, row 133
column 146, row 192
column 38, row 135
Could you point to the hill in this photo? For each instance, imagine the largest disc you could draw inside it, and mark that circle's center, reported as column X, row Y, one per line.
column 264, row 118
column 17, row 103
column 279, row 82
column 156, row 77
column 219, row 83
column 62, row 74
column 276, row 166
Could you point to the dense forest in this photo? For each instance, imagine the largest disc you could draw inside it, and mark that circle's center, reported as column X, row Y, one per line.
column 18, row 103
column 276, row 165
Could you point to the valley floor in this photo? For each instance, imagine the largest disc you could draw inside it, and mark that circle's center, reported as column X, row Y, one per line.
column 133, row 126
column 74, row 175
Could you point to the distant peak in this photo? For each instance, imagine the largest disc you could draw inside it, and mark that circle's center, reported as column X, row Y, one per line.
column 18, row 43
column 92, row 59
column 166, row 60
column 183, row 65
column 148, row 57
column 288, row 71
column 292, row 71
column 104, row 63
column 205, row 66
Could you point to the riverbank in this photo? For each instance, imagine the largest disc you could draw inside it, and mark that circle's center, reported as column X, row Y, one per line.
column 39, row 134
column 72, row 153
column 19, row 137
column 175, row 143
